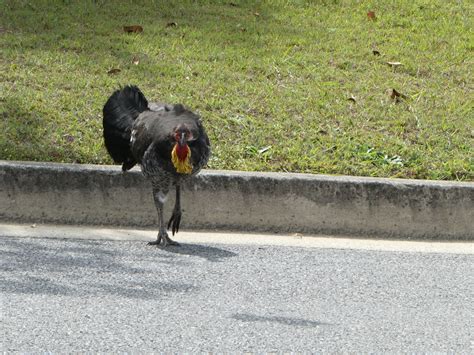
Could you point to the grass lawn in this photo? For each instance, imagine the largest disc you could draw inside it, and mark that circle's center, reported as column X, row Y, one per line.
column 281, row 85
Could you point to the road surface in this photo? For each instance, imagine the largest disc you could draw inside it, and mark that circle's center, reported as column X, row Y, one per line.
column 260, row 293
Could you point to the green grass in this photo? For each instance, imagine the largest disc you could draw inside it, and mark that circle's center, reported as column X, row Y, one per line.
column 271, row 80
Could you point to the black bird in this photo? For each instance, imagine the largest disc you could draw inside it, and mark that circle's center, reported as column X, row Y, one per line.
column 168, row 141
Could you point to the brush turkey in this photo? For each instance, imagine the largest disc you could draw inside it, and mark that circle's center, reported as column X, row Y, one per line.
column 168, row 141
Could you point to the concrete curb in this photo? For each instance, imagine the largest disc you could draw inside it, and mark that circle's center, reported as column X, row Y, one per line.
column 271, row 202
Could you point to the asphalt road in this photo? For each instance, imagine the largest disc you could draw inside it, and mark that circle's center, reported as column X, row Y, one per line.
column 64, row 295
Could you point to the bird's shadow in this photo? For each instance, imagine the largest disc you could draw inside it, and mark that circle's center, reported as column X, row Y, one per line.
column 204, row 251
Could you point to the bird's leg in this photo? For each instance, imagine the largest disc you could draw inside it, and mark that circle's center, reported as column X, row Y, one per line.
column 176, row 216
column 159, row 197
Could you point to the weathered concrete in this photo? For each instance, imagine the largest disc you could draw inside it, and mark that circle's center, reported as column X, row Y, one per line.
column 278, row 202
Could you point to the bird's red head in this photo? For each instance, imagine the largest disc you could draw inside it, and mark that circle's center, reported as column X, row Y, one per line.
column 181, row 153
column 182, row 134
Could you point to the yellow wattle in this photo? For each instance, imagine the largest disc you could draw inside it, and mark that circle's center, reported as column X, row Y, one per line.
column 181, row 166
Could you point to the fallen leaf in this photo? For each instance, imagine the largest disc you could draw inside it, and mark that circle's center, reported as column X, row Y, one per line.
column 171, row 24
column 397, row 96
column 113, row 71
column 394, row 64
column 257, row 14
column 352, row 98
column 240, row 27
column 376, row 52
column 136, row 60
column 371, row 15
column 133, row 29
column 394, row 94
column 264, row 149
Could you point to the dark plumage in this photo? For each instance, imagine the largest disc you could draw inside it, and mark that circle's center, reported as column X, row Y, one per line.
column 168, row 141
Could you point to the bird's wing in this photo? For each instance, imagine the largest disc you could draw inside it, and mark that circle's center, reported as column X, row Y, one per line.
column 200, row 147
column 143, row 133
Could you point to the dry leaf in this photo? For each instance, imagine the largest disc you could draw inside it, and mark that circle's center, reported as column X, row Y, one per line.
column 394, row 94
column 397, row 96
column 394, row 64
column 171, row 24
column 241, row 28
column 136, row 60
column 376, row 52
column 371, row 15
column 257, row 14
column 133, row 29
column 113, row 71
column 352, row 98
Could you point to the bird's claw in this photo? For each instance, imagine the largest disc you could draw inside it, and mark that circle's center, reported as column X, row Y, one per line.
column 157, row 241
column 174, row 221
column 164, row 241
column 168, row 242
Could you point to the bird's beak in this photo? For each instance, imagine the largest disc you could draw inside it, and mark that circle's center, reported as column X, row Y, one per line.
column 182, row 139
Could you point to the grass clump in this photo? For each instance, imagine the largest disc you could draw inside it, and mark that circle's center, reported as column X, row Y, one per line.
column 298, row 86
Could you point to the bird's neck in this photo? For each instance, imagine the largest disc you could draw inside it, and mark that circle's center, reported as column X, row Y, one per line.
column 180, row 157
column 182, row 151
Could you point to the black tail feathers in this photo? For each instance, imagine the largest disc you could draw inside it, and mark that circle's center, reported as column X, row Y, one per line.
column 120, row 110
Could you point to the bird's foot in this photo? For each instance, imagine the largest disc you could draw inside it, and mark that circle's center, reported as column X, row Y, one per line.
column 175, row 220
column 164, row 241
column 168, row 242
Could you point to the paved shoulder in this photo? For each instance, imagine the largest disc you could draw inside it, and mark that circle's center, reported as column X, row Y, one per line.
column 213, row 237
column 101, row 295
